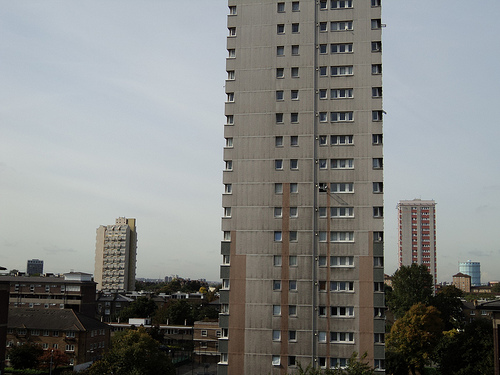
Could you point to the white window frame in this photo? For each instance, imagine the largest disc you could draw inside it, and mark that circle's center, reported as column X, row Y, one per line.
column 341, row 93
column 341, row 48
column 341, row 236
column 341, row 26
column 342, row 163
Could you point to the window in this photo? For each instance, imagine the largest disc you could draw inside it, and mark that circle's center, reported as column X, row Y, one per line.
column 280, row 51
column 376, row 23
column 323, row 140
column 224, row 308
column 379, row 363
column 379, row 312
column 280, row 28
column 226, row 259
column 294, row 212
column 378, row 236
column 231, row 53
column 225, row 284
column 378, row 211
column 223, row 357
column 230, row 97
column 322, row 235
column 342, row 337
column 322, row 286
column 279, row 95
column 292, row 260
column 46, row 332
column 342, row 163
column 377, row 115
column 378, row 187
column 377, row 139
column 279, row 118
column 294, row 71
column 341, row 311
column 295, row 27
column 295, row 6
column 322, row 311
column 341, row 236
column 232, row 10
column 322, row 164
column 376, row 3
column 342, row 140
column 341, row 48
column 292, row 310
column 294, row 117
column 378, row 286
column 323, row 71
column 227, row 211
column 229, row 120
column 322, row 261
column 278, row 188
column 341, row 4
column 231, row 31
column 341, row 26
column 276, row 360
column 341, row 286
column 70, row 348
column 379, row 337
column 294, row 140
column 229, row 142
column 321, row 336
column 342, row 187
column 277, row 260
column 278, row 212
column 294, row 94
column 228, row 189
column 292, row 285
column 294, row 164
column 276, row 335
column 280, row 73
column 278, row 164
column 377, row 163
column 378, row 261
column 323, row 117
column 281, row 7
column 70, row 334
column 295, row 50
column 294, row 187
column 227, row 235
column 341, row 93
column 204, row 333
column 376, row 68
column 293, row 236
column 341, row 70
column 323, row 26
column 278, row 141
column 228, row 165
column 322, row 4
column 276, row 310
column 376, row 46
column 323, row 49
column 323, row 94
column 292, row 335
column 278, row 236
column 322, row 211
column 341, row 261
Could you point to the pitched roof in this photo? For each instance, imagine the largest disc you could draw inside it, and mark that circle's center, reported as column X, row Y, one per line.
column 52, row 319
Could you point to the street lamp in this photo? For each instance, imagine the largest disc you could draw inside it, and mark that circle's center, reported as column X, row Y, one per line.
column 50, row 364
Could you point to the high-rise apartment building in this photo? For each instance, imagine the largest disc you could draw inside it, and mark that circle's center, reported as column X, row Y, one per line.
column 115, row 256
column 302, row 251
column 417, row 234
column 34, row 266
column 473, row 269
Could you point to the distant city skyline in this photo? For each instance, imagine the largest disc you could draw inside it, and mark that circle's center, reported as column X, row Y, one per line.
column 112, row 111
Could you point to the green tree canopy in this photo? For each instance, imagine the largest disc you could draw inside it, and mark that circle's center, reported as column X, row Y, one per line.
column 25, row 356
column 467, row 352
column 142, row 307
column 448, row 302
column 416, row 335
column 133, row 352
column 355, row 366
column 410, row 285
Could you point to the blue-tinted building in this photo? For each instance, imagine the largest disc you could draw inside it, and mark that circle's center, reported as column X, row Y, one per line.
column 473, row 269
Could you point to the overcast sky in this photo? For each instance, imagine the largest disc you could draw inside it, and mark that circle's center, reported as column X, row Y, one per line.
column 115, row 108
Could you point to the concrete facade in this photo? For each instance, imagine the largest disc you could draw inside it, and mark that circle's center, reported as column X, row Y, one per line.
column 417, row 234
column 115, row 256
column 302, row 251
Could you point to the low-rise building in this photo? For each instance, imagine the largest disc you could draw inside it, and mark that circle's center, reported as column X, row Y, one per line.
column 81, row 337
column 75, row 290
column 109, row 306
column 462, row 281
column 206, row 336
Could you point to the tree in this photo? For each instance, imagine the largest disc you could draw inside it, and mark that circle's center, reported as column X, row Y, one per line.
column 496, row 288
column 25, row 356
column 416, row 335
column 355, row 366
column 410, row 285
column 474, row 344
column 142, row 307
column 448, row 302
column 55, row 356
column 133, row 352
